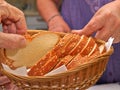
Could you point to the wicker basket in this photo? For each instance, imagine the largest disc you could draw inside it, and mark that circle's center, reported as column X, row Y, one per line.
column 79, row 78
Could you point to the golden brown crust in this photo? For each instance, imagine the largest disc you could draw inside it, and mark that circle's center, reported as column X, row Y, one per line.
column 2, row 57
column 56, row 51
column 33, row 32
column 14, row 61
column 42, row 70
column 88, row 49
column 74, row 62
column 65, row 45
column 5, row 60
column 79, row 60
column 28, row 37
column 79, row 46
column 88, row 46
column 71, row 44
column 71, row 50
column 94, row 49
column 64, row 61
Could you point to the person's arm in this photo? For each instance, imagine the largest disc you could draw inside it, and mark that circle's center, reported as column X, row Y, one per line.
column 13, row 23
column 48, row 9
column 105, row 22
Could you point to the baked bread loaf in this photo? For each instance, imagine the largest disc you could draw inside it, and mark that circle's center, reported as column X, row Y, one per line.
column 84, row 48
column 59, row 50
column 47, row 50
column 79, row 46
column 72, row 50
column 37, row 46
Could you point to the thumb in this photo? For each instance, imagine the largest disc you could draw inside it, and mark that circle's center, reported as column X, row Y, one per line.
column 95, row 24
column 12, row 41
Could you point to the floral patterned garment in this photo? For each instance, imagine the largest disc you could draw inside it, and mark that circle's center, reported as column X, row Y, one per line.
column 77, row 14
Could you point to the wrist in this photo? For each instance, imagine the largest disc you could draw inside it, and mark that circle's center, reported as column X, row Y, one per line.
column 55, row 20
column 52, row 17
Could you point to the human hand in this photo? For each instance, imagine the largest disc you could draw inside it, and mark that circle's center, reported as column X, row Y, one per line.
column 105, row 22
column 57, row 24
column 11, row 41
column 5, row 83
column 13, row 22
column 12, row 19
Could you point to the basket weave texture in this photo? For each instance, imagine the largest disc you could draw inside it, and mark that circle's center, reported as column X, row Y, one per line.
column 79, row 78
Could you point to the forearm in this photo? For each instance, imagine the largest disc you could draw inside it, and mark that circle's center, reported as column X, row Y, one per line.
column 47, row 9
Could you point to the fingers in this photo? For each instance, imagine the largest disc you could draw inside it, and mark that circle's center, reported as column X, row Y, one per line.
column 4, row 80
column 105, row 32
column 9, row 28
column 95, row 24
column 105, row 28
column 110, row 29
column 21, row 25
column 5, row 29
column 18, row 27
column 117, row 37
column 12, row 41
column 15, row 21
column 6, row 84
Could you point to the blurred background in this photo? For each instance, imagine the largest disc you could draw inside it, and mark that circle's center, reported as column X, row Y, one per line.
column 33, row 19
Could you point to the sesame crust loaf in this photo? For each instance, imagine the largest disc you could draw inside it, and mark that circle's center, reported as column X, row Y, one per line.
column 37, row 46
column 79, row 46
column 71, row 50
column 58, row 51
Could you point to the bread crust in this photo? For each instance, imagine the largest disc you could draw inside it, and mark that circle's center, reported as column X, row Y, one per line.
column 79, row 46
column 57, row 51
column 5, row 60
column 64, row 61
column 79, row 60
column 13, row 64
column 42, row 70
column 71, row 50
column 88, row 46
column 71, row 44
